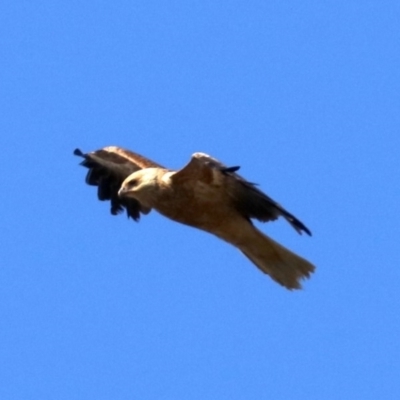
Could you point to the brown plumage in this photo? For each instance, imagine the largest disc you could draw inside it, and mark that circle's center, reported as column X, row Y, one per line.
column 204, row 194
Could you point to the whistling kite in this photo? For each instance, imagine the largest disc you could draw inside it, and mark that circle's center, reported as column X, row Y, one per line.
column 204, row 194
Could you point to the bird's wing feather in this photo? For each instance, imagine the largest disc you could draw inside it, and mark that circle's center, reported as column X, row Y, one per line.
column 248, row 200
column 108, row 168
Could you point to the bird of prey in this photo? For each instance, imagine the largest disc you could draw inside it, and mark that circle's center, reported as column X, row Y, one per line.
column 204, row 194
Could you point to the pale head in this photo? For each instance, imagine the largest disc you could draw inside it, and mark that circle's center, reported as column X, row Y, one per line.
column 142, row 185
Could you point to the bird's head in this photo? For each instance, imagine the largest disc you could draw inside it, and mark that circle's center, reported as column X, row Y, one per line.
column 141, row 185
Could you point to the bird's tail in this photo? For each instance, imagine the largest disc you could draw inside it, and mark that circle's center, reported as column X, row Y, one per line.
column 283, row 266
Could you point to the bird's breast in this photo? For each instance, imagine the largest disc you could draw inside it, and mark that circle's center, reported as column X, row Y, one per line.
column 200, row 206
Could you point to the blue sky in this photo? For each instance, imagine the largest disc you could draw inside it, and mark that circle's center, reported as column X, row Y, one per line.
column 303, row 95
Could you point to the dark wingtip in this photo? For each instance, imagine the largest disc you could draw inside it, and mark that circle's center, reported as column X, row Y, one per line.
column 79, row 153
column 301, row 227
column 298, row 225
column 230, row 169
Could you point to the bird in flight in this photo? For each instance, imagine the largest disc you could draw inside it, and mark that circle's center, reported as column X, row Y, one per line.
column 204, row 194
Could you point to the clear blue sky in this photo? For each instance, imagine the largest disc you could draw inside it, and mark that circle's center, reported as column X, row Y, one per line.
column 303, row 95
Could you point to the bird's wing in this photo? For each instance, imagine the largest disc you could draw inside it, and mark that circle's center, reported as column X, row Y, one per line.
column 108, row 168
column 246, row 198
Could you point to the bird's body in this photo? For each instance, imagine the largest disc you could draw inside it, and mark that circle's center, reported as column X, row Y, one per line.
column 187, row 203
column 205, row 195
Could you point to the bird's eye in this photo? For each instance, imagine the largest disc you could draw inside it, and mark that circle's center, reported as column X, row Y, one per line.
column 132, row 183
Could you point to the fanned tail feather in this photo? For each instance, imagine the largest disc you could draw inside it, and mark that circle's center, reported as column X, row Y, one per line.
column 282, row 265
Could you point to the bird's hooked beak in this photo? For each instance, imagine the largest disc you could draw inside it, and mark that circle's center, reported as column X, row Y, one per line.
column 122, row 191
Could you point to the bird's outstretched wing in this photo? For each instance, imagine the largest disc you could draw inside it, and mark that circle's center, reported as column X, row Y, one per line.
column 108, row 167
column 246, row 198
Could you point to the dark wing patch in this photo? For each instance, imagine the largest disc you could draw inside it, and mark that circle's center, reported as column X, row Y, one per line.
column 245, row 196
column 108, row 168
column 253, row 203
